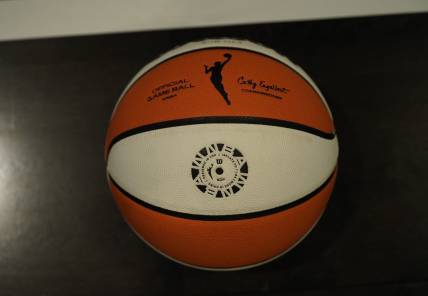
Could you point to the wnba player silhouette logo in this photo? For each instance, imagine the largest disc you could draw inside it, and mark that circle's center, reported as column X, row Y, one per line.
column 216, row 77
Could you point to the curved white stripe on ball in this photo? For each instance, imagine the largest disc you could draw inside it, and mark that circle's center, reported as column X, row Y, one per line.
column 224, row 42
column 284, row 165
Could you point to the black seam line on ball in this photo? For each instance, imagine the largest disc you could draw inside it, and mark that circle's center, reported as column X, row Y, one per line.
column 223, row 217
column 221, row 120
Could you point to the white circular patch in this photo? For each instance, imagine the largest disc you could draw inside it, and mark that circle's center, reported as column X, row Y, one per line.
column 219, row 170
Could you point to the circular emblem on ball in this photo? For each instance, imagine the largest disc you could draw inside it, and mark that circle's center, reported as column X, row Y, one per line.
column 219, row 170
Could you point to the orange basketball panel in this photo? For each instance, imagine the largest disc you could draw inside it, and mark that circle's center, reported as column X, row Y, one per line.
column 224, row 244
column 257, row 85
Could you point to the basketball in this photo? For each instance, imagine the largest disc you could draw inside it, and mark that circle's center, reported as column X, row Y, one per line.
column 221, row 154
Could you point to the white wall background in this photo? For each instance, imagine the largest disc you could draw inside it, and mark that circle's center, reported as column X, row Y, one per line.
column 22, row 19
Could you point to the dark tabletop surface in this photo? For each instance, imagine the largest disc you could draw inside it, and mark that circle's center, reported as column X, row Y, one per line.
column 61, row 233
